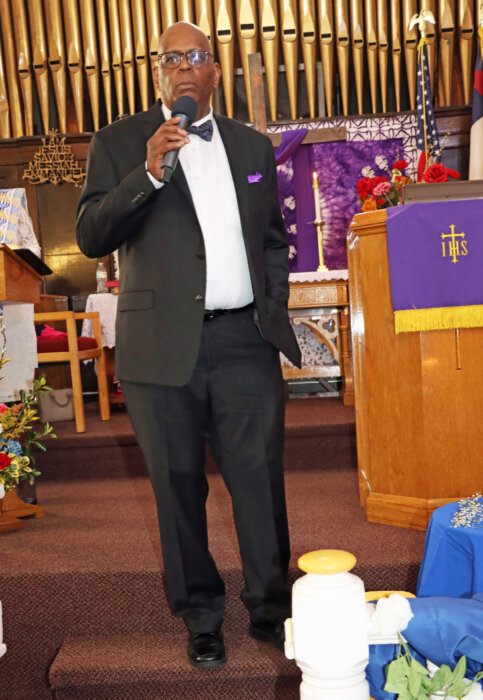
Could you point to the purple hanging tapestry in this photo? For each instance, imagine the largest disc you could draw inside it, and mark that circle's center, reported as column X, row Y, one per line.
column 339, row 165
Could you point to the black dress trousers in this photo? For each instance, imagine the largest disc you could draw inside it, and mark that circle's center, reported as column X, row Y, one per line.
column 234, row 401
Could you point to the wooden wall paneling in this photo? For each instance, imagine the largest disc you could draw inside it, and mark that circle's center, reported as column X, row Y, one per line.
column 257, row 92
column 56, row 59
column 39, row 53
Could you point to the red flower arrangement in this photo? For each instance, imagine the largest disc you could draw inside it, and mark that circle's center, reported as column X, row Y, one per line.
column 381, row 191
column 5, row 460
column 439, row 173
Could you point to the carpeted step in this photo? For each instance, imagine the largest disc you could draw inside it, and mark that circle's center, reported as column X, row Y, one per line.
column 319, row 434
column 155, row 667
column 92, row 566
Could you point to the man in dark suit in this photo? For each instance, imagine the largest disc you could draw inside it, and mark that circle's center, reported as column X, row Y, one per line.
column 202, row 316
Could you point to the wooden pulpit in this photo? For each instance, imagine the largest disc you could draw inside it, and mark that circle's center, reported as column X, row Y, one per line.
column 19, row 282
column 418, row 396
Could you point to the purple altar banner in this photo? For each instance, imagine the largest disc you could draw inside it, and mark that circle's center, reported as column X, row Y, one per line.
column 435, row 253
column 339, row 165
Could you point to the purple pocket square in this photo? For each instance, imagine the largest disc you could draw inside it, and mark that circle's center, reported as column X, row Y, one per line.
column 255, row 178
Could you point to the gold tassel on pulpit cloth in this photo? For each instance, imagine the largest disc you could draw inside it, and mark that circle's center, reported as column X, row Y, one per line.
column 438, row 319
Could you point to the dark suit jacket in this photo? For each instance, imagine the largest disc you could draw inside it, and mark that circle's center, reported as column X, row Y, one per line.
column 161, row 249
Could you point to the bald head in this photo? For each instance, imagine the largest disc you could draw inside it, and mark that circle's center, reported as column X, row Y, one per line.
column 183, row 27
column 196, row 81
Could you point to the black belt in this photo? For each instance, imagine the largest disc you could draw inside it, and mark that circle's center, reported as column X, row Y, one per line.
column 214, row 313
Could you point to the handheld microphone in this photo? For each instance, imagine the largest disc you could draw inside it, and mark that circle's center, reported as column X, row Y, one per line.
column 186, row 108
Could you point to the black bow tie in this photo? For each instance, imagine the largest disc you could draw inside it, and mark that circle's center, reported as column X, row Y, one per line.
column 204, row 131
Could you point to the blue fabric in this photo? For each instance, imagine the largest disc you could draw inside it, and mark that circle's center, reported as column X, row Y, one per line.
column 452, row 562
column 442, row 630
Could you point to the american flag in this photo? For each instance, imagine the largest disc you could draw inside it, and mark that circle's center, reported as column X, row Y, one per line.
column 476, row 134
column 427, row 139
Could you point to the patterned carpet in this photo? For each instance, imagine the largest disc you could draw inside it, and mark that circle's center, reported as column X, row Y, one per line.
column 82, row 588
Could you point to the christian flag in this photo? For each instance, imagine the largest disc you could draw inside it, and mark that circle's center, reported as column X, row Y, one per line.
column 476, row 134
column 427, row 139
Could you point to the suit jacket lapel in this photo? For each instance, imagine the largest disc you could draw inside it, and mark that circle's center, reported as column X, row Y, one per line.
column 154, row 117
column 238, row 168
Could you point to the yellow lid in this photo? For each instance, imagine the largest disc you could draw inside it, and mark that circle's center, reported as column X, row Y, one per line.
column 327, row 561
column 377, row 595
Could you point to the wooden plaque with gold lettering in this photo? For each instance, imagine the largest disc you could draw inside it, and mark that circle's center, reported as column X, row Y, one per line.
column 418, row 396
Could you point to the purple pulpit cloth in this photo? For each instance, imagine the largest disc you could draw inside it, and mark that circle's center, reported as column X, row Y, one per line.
column 428, row 271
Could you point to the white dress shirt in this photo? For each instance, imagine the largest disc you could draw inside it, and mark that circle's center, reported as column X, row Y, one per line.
column 207, row 171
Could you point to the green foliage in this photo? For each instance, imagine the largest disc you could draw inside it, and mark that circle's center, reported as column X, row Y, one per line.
column 18, row 436
column 411, row 681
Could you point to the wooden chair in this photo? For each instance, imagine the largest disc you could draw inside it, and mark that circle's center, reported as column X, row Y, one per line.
column 73, row 350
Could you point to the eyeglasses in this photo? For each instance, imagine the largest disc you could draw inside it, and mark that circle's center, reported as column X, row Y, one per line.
column 195, row 57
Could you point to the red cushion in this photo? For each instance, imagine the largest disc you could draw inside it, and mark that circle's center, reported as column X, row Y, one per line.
column 59, row 344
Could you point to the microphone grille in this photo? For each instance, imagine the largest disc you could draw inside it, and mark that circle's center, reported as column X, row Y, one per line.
column 185, row 105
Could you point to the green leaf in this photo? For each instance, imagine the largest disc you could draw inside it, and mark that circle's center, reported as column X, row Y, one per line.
column 419, row 667
column 458, row 689
column 414, row 683
column 397, row 670
column 460, row 669
column 441, row 678
column 396, row 686
column 426, row 683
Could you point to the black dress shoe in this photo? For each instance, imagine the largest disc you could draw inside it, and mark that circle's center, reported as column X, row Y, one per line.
column 206, row 650
column 272, row 632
